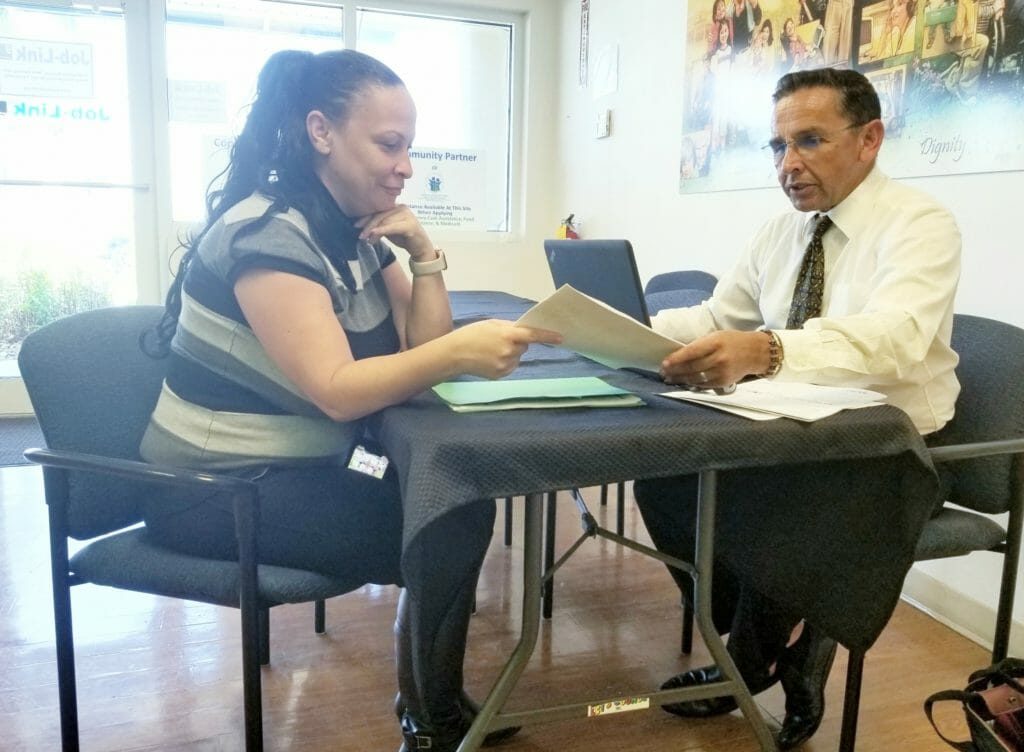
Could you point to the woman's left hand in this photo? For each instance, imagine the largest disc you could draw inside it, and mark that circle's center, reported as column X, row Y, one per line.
column 400, row 226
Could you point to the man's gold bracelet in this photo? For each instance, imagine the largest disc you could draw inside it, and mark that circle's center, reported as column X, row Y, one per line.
column 775, row 354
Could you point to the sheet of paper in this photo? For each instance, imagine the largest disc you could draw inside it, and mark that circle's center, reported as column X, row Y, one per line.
column 510, row 394
column 743, row 412
column 806, row 402
column 598, row 331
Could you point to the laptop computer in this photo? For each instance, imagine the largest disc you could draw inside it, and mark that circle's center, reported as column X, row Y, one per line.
column 602, row 269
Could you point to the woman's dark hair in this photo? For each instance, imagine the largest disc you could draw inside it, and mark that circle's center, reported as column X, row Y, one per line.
column 273, row 155
column 858, row 99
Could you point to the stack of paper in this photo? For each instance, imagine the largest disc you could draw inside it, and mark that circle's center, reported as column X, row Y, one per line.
column 598, row 331
column 514, row 394
column 765, row 400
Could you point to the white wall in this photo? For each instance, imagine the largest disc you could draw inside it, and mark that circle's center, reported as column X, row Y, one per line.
column 627, row 186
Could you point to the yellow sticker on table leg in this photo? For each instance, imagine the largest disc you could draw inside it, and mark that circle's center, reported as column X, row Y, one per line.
column 624, row 705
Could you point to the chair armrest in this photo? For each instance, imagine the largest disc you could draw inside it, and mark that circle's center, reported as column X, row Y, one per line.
column 956, row 452
column 245, row 498
column 244, row 493
column 165, row 474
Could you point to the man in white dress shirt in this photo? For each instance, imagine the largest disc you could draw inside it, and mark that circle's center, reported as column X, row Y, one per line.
column 882, row 319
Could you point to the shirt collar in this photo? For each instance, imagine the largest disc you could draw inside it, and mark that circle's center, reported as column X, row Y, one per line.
column 855, row 211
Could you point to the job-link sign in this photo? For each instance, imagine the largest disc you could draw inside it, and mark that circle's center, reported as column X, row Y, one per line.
column 34, row 68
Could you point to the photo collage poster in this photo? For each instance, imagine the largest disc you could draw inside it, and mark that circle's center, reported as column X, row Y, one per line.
column 948, row 74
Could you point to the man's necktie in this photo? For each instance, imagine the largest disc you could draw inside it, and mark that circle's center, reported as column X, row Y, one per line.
column 810, row 283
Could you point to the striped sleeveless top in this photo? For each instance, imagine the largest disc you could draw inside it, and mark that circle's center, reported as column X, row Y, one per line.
column 224, row 404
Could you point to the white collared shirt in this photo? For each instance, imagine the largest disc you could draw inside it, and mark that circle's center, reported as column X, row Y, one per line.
column 892, row 263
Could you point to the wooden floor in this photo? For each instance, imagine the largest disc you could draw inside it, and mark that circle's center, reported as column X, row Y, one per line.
column 160, row 674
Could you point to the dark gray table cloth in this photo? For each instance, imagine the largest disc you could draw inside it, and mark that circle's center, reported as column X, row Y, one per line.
column 823, row 515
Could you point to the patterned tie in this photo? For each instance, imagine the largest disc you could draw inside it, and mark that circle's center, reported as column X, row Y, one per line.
column 810, row 283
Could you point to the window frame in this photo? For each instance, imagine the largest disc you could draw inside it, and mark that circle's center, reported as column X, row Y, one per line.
column 169, row 231
column 516, row 19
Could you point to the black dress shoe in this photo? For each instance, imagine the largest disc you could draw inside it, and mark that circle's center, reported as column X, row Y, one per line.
column 709, row 706
column 704, row 708
column 803, row 669
column 419, row 734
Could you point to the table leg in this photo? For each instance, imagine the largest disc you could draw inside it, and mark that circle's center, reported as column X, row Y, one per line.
column 532, row 585
column 532, row 528
column 706, row 505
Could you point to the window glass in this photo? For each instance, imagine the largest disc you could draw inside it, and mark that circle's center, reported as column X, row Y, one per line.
column 63, row 96
column 67, row 206
column 459, row 74
column 215, row 49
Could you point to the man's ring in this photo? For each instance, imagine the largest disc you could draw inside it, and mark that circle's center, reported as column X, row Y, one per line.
column 703, row 377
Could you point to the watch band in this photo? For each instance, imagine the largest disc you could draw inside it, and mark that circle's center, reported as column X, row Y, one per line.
column 422, row 268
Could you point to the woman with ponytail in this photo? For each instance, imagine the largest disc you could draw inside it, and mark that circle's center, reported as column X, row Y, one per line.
column 289, row 322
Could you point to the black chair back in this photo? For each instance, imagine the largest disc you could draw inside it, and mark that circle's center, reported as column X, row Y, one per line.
column 990, row 407
column 93, row 390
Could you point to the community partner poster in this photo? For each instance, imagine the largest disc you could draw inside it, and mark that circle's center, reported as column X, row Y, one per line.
column 448, row 188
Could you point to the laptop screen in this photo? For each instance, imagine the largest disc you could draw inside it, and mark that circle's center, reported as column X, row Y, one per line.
column 602, row 269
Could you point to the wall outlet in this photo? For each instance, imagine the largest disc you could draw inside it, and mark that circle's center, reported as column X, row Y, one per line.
column 604, row 124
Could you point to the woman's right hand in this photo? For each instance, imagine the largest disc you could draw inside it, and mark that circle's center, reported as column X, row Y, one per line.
column 492, row 348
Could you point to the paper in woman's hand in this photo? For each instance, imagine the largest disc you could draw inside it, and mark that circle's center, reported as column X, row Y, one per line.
column 598, row 331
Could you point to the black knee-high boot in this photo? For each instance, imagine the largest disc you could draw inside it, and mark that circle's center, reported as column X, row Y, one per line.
column 417, row 732
column 407, row 699
column 440, row 570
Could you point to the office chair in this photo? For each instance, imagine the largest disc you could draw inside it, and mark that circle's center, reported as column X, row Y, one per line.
column 984, row 448
column 678, row 289
column 93, row 390
column 683, row 298
column 684, row 279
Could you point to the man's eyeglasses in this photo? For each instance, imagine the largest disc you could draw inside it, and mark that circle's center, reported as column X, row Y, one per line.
column 804, row 144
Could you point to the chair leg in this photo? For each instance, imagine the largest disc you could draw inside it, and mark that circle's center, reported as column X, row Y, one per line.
column 851, row 700
column 64, row 631
column 604, row 495
column 253, row 615
column 547, row 592
column 264, row 636
column 508, row 521
column 67, row 690
column 620, row 510
column 1008, row 585
column 319, row 617
column 251, row 681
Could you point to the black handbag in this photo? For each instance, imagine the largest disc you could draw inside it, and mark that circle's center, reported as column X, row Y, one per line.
column 993, row 704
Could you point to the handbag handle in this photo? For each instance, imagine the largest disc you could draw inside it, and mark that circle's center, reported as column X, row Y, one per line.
column 949, row 694
column 1006, row 670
